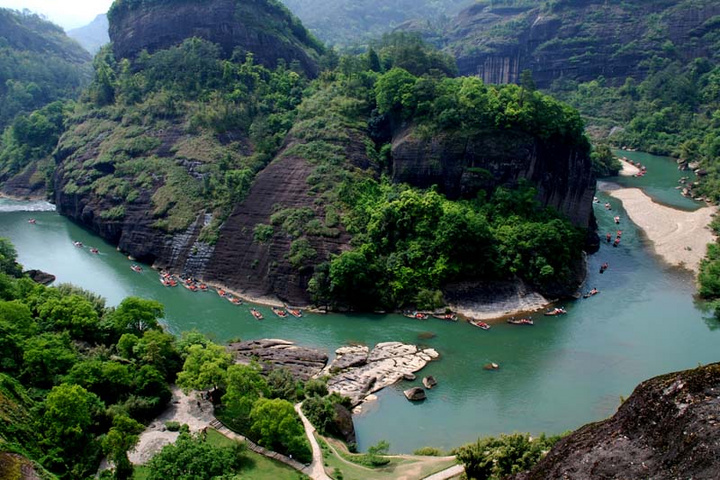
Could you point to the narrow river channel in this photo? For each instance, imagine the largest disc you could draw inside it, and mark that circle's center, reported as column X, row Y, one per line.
column 555, row 376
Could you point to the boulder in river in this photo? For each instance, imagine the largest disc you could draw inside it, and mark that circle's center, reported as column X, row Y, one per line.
column 429, row 381
column 38, row 276
column 415, row 394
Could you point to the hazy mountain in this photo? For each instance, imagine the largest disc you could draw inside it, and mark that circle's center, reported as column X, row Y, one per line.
column 93, row 35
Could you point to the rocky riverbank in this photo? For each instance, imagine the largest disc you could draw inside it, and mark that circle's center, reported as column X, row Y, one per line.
column 356, row 371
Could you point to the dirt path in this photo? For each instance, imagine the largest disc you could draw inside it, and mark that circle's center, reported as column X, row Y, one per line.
column 447, row 474
column 191, row 409
column 317, row 469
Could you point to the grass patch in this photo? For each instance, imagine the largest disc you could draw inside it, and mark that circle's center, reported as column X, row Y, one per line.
column 408, row 467
column 256, row 467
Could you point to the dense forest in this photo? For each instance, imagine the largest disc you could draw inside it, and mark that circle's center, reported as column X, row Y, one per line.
column 407, row 243
column 38, row 64
column 80, row 380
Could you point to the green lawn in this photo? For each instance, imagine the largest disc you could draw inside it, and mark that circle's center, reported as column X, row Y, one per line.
column 414, row 467
column 257, row 468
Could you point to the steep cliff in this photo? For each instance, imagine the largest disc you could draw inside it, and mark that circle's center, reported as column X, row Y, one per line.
column 462, row 164
column 579, row 40
column 668, row 428
column 262, row 27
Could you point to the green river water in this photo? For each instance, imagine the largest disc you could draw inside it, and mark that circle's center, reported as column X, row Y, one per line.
column 558, row 375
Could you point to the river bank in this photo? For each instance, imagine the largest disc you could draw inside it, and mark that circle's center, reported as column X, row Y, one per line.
column 679, row 237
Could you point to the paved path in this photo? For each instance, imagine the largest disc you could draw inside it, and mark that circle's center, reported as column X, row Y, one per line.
column 317, row 469
column 448, row 473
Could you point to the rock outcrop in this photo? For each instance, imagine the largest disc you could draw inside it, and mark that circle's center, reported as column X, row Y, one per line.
column 415, row 394
column 669, row 428
column 38, row 276
column 261, row 27
column 461, row 165
column 580, row 40
column 303, row 363
column 385, row 365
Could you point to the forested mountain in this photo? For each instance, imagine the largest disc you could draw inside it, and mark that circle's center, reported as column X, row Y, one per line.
column 350, row 23
column 580, row 40
column 38, row 64
column 227, row 162
column 93, row 35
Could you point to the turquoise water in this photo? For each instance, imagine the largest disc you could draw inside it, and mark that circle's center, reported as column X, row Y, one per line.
column 660, row 181
column 558, row 375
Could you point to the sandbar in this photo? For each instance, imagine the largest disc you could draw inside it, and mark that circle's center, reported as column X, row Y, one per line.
column 678, row 237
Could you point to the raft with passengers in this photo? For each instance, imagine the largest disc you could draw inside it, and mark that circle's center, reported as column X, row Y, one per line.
column 521, row 321
column 555, row 311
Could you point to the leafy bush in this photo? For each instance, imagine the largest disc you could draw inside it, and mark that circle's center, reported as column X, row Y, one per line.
column 495, row 457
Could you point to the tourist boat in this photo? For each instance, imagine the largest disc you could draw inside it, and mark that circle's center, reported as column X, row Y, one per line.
column 479, row 324
column 591, row 293
column 450, row 317
column 32, row 221
column 233, row 299
column 491, row 366
column 136, row 268
column 295, row 312
column 617, row 219
column 168, row 281
column 521, row 321
column 256, row 314
column 94, row 250
column 416, row 315
column 190, row 286
column 203, row 287
column 78, row 244
column 555, row 311
column 279, row 312
column 221, row 292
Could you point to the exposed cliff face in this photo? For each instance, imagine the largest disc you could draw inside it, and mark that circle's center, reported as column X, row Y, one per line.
column 579, row 40
column 263, row 268
column 461, row 165
column 669, row 428
column 261, row 27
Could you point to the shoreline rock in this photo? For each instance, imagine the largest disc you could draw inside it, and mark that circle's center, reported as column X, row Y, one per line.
column 386, row 364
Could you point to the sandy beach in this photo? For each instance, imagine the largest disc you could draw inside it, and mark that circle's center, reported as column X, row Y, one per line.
column 628, row 169
column 679, row 237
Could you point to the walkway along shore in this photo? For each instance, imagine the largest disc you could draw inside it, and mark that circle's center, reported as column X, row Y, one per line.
column 680, row 238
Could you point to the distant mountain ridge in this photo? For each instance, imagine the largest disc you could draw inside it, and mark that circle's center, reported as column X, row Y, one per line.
column 580, row 40
column 38, row 64
column 93, row 35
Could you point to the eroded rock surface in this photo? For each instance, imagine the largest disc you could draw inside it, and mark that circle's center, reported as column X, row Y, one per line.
column 386, row 364
column 304, row 363
column 669, row 428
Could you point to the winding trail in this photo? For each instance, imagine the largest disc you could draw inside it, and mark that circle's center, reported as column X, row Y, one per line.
column 317, row 468
column 447, row 474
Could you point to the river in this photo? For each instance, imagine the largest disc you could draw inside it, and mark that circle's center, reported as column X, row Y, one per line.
column 555, row 376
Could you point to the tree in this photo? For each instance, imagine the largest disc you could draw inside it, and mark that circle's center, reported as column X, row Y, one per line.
column 45, row 357
column 109, row 380
column 123, row 436
column 137, row 315
column 277, row 426
column 283, row 385
column 72, row 313
column 68, row 415
column 205, row 368
column 8, row 259
column 158, row 349
column 376, row 453
column 245, row 385
column 496, row 457
column 190, row 458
